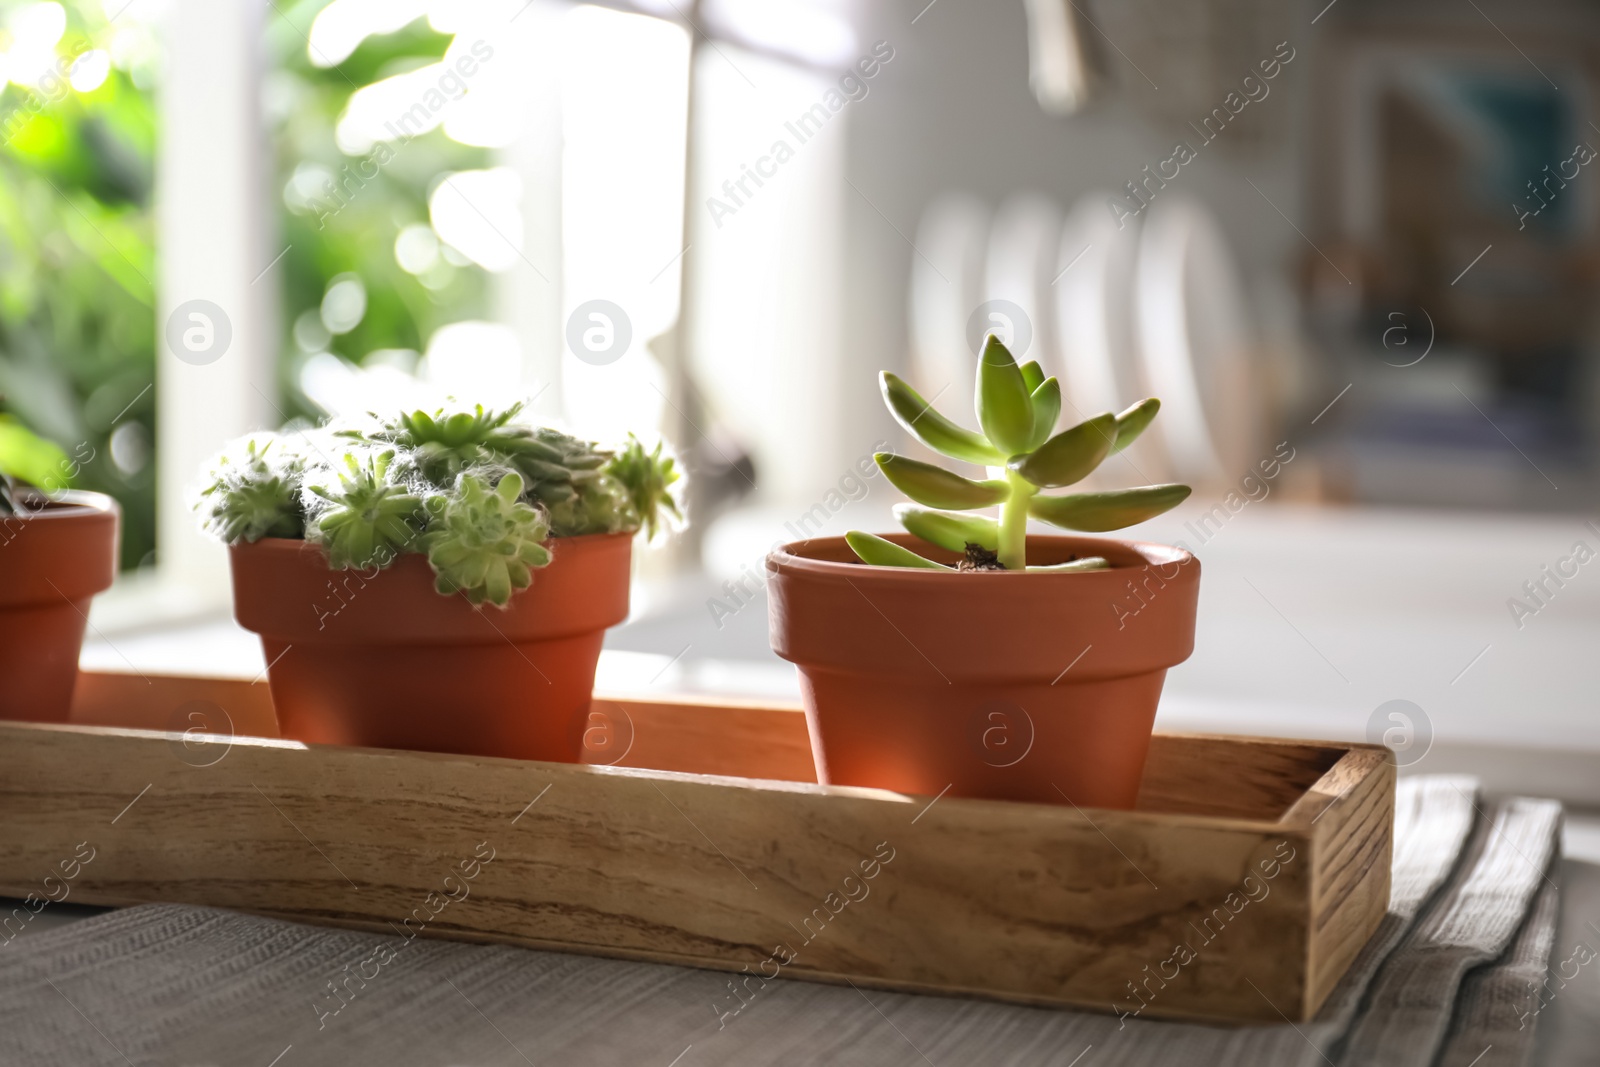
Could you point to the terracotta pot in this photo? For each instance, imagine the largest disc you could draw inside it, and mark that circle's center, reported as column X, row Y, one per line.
column 1018, row 686
column 52, row 562
column 378, row 658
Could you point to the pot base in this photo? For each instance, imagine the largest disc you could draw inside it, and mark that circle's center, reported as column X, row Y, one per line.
column 522, row 701
column 1083, row 744
column 39, row 645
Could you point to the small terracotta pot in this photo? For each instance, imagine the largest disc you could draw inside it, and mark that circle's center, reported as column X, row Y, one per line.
column 52, row 562
column 378, row 658
column 1018, row 686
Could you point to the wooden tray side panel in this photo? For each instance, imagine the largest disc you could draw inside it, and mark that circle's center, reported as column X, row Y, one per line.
column 1039, row 904
column 1139, row 918
column 1191, row 773
column 697, row 738
column 693, row 736
column 1184, row 773
column 164, row 702
column 1354, row 844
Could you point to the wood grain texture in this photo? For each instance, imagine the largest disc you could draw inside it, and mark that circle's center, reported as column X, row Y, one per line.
column 1037, row 904
column 1350, row 887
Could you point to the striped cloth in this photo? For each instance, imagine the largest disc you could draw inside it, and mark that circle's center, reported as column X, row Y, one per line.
column 1450, row 972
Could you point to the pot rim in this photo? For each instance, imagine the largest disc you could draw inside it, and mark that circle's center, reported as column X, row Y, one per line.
column 297, row 544
column 826, row 614
column 796, row 557
column 71, row 551
column 64, row 505
column 284, row 589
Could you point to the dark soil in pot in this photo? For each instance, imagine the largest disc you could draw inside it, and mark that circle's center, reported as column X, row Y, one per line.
column 379, row 658
column 1022, row 686
column 52, row 562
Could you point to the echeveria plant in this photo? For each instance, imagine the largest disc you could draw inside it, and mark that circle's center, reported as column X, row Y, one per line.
column 1017, row 409
column 477, row 492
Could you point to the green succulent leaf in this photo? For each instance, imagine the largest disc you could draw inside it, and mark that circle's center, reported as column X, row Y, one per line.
column 937, row 487
column 1088, row 563
column 1111, row 510
column 253, row 492
column 952, row 530
column 441, row 444
column 1032, row 375
column 1134, row 421
column 1046, row 400
column 647, row 479
column 933, row 429
column 568, row 476
column 541, row 471
column 587, row 509
column 369, row 518
column 31, row 459
column 879, row 552
column 554, row 494
column 1005, row 407
column 484, row 542
column 1069, row 456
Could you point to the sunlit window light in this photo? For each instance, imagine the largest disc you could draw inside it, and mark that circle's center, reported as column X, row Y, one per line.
column 398, row 108
column 766, row 306
column 34, row 30
column 804, row 29
column 344, row 305
column 416, row 248
column 90, row 70
column 339, row 28
column 341, row 389
column 471, row 361
column 624, row 86
column 474, row 362
column 309, row 183
column 476, row 213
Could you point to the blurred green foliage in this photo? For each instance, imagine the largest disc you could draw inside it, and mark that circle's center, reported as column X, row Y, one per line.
column 77, row 262
column 77, row 330
column 339, row 218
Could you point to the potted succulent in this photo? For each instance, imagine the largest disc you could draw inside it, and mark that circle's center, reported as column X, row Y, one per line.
column 57, row 550
column 971, row 656
column 437, row 581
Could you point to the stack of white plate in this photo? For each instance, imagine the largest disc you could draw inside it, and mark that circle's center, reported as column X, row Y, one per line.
column 1119, row 311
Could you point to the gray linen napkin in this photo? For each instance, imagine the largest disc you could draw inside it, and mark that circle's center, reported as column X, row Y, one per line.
column 193, row 986
column 1410, row 1003
column 1499, row 1006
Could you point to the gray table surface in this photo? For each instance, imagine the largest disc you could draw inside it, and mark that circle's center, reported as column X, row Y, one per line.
column 1568, row 1027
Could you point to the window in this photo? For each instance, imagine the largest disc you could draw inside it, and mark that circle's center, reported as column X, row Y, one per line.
column 412, row 197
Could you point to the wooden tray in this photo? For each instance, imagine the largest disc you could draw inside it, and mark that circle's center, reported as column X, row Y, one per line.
column 1241, row 889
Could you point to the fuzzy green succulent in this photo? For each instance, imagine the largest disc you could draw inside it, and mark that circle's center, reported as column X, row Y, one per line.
column 367, row 518
column 567, row 475
column 484, row 542
column 648, row 478
column 252, row 495
column 440, row 446
column 476, row 491
column 1017, row 409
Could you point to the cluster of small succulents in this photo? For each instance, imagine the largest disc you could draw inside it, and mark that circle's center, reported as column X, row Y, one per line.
column 255, row 492
column 1017, row 408
column 477, row 492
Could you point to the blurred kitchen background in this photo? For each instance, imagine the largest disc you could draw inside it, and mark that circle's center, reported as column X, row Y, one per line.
column 1351, row 245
